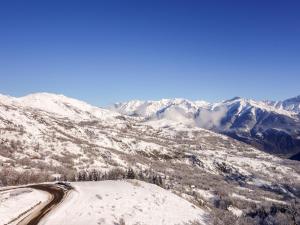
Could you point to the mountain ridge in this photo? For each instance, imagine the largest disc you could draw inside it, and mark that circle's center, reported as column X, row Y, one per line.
column 254, row 122
column 266, row 125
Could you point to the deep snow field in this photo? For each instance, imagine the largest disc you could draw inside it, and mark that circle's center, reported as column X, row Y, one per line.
column 134, row 202
column 106, row 203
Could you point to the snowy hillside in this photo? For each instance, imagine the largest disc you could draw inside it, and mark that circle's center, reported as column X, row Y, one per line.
column 59, row 105
column 222, row 176
column 133, row 202
column 270, row 126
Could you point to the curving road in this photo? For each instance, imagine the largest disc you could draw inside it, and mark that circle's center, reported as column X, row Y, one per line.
column 57, row 193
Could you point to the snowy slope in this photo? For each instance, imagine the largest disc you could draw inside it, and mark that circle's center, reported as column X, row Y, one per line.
column 57, row 104
column 136, row 202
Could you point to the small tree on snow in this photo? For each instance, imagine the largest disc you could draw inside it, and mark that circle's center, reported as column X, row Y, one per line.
column 130, row 174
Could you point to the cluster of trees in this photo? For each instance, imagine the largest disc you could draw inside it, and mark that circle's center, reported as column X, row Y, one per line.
column 116, row 174
column 10, row 176
column 255, row 214
column 261, row 215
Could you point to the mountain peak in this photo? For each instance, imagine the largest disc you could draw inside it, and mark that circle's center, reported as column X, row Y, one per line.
column 46, row 96
column 290, row 104
column 58, row 104
column 233, row 99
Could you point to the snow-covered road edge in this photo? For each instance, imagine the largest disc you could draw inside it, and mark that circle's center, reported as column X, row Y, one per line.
column 26, row 205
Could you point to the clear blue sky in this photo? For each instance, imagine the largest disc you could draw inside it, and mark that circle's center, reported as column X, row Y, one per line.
column 108, row 51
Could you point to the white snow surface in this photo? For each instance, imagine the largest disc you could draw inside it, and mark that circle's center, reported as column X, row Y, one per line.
column 237, row 212
column 136, row 202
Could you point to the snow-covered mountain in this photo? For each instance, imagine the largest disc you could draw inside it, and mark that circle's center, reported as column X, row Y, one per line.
column 291, row 104
column 59, row 105
column 270, row 126
column 54, row 134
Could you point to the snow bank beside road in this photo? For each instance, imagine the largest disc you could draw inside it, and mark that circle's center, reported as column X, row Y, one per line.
column 14, row 203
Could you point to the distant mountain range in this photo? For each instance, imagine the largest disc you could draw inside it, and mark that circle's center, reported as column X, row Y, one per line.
column 272, row 126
